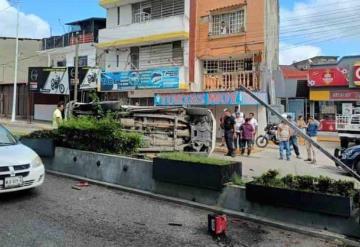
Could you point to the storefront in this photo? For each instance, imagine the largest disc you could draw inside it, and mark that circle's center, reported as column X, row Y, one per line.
column 334, row 91
column 217, row 102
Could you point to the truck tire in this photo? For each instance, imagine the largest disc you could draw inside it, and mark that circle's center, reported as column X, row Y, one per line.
column 344, row 142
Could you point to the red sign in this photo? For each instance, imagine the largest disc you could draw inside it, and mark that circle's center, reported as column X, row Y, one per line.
column 357, row 74
column 352, row 95
column 328, row 77
column 327, row 125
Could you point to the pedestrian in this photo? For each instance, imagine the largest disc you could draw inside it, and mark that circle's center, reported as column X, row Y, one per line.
column 293, row 141
column 311, row 131
column 239, row 121
column 301, row 124
column 57, row 115
column 247, row 135
column 236, row 110
column 222, row 130
column 254, row 123
column 284, row 133
column 229, row 132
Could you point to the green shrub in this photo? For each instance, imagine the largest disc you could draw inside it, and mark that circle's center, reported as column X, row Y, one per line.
column 40, row 134
column 90, row 134
column 194, row 158
column 308, row 183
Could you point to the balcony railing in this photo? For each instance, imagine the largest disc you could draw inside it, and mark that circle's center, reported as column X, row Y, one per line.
column 68, row 39
column 231, row 81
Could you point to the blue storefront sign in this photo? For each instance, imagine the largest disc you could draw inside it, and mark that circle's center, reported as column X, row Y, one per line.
column 159, row 78
column 203, row 98
column 207, row 98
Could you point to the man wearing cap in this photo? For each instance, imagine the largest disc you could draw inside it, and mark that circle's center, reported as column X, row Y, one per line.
column 229, row 132
column 293, row 138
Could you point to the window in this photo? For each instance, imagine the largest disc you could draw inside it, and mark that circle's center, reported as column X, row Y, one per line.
column 134, row 53
column 83, row 61
column 155, row 9
column 118, row 16
column 228, row 23
column 227, row 66
column 61, row 63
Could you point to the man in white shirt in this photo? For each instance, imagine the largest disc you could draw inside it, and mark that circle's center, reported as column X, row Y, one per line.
column 254, row 123
column 57, row 115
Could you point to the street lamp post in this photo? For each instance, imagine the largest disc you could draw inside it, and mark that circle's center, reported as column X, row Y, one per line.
column 13, row 114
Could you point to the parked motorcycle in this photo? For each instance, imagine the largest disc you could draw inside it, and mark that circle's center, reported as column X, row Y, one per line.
column 270, row 135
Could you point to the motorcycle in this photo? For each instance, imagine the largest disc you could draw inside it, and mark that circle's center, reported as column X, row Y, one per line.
column 270, row 135
column 57, row 85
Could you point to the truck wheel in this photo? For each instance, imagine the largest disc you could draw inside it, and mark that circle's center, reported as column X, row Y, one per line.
column 344, row 142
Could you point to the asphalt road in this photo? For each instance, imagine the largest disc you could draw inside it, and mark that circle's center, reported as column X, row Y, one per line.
column 57, row 215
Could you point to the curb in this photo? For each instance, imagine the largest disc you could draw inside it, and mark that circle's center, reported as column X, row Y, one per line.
column 256, row 219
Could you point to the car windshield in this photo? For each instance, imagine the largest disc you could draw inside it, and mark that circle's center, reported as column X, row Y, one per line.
column 6, row 138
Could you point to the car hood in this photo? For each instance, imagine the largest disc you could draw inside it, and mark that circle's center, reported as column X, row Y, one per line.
column 16, row 155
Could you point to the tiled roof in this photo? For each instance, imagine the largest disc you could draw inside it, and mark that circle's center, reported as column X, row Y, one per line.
column 290, row 72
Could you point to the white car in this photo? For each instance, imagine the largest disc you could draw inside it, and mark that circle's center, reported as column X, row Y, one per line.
column 20, row 167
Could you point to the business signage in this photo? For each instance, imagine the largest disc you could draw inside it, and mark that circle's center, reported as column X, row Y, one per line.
column 345, row 95
column 88, row 77
column 203, row 98
column 48, row 80
column 159, row 78
column 357, row 74
column 328, row 77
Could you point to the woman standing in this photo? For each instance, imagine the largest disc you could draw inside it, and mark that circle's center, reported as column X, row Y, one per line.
column 239, row 121
column 247, row 135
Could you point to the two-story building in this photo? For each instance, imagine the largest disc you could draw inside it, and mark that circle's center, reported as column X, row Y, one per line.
column 147, row 48
column 60, row 52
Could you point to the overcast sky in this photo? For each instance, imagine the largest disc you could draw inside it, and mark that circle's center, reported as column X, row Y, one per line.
column 308, row 27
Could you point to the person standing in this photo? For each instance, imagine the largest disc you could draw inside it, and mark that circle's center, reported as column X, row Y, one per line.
column 239, row 121
column 247, row 135
column 229, row 132
column 301, row 124
column 284, row 133
column 293, row 142
column 311, row 131
column 254, row 123
column 57, row 115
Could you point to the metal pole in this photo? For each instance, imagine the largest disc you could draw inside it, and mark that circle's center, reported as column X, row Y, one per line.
column 76, row 68
column 13, row 114
column 306, row 137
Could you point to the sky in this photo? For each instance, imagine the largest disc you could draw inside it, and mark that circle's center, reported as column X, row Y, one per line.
column 308, row 27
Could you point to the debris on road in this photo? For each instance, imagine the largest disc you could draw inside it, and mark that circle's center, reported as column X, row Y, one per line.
column 175, row 224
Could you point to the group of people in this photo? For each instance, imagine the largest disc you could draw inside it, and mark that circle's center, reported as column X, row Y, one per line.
column 288, row 137
column 239, row 132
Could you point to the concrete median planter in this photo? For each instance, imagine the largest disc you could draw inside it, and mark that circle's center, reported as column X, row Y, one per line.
column 44, row 147
column 305, row 201
column 206, row 176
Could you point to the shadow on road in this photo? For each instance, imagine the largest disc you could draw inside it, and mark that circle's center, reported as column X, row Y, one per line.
column 17, row 196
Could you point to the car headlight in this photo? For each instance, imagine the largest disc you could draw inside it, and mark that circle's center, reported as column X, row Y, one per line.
column 37, row 162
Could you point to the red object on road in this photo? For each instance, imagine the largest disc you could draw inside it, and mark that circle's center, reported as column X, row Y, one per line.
column 217, row 224
column 82, row 184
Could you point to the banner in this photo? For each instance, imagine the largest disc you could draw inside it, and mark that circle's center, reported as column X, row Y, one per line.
column 49, row 80
column 328, row 77
column 88, row 77
column 159, row 78
column 357, row 75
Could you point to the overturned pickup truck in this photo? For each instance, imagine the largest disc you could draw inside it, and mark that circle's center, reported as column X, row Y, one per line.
column 165, row 129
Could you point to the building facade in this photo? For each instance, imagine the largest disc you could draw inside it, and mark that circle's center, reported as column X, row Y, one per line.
column 59, row 52
column 28, row 57
column 147, row 47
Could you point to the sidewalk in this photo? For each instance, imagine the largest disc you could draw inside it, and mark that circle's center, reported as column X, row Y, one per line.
column 265, row 159
column 22, row 127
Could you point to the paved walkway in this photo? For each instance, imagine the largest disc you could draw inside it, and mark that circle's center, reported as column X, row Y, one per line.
column 22, row 127
column 265, row 159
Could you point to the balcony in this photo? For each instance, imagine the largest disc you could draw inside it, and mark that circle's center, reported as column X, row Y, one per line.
column 231, row 81
column 145, row 33
column 68, row 40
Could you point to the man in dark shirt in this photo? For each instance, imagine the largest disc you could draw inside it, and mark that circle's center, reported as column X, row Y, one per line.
column 229, row 129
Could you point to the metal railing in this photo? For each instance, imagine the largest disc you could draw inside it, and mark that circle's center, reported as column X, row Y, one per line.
column 67, row 40
column 350, row 123
column 232, row 81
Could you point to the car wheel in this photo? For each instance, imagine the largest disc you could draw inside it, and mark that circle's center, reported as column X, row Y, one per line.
column 344, row 142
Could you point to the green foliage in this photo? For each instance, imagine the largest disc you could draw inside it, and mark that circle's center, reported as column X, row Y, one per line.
column 238, row 180
column 194, row 158
column 96, row 100
column 321, row 184
column 98, row 135
column 41, row 134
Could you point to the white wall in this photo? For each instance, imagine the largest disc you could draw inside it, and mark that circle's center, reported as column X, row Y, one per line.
column 69, row 53
column 124, row 60
column 153, row 27
column 125, row 16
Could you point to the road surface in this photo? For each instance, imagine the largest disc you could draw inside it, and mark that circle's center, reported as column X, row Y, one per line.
column 58, row 215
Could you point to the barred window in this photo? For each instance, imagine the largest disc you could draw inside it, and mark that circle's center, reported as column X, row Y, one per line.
column 228, row 23
column 227, row 66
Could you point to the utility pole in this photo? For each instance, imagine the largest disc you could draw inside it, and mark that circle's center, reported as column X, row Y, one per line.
column 76, row 68
column 13, row 114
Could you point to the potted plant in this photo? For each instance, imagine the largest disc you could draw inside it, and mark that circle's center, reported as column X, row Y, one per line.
column 194, row 170
column 321, row 195
column 42, row 142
